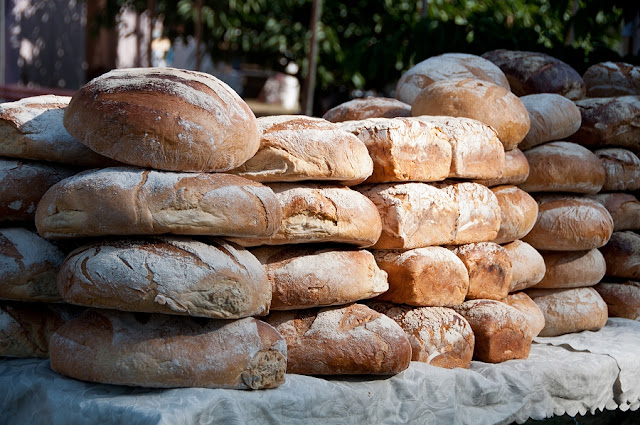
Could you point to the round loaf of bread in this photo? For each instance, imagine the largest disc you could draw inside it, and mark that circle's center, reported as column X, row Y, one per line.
column 297, row 148
column 489, row 267
column 622, row 255
column 525, row 305
column 527, row 265
column 484, row 101
column 572, row 269
column 430, row 276
column 534, row 72
column 403, row 149
column 132, row 201
column 167, row 275
column 553, row 117
column 164, row 118
column 446, row 67
column 439, row 336
column 515, row 171
column 569, row 223
column 22, row 185
column 319, row 276
column 623, row 207
column 164, row 351
column 609, row 79
column 563, row 167
column 622, row 298
column 518, row 213
column 31, row 128
column 368, row 107
column 622, row 169
column 502, row 332
column 348, row 340
column 29, row 265
column 570, row 310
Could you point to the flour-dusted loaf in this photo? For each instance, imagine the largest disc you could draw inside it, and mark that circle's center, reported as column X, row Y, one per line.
column 622, row 169
column 31, row 128
column 623, row 207
column 170, row 275
column 368, row 107
column 403, row 149
column 534, row 72
column 609, row 79
column 476, row 151
column 570, row 310
column 515, row 171
column 525, row 305
column 569, row 223
column 306, row 276
column 29, row 265
column 527, row 265
column 347, row 340
column 622, row 255
column 439, row 336
column 22, row 185
column 314, row 212
column 297, row 148
column 430, row 276
column 563, row 167
column 446, row 67
column 502, row 332
column 26, row 328
column 622, row 298
column 132, row 201
column 165, row 351
column 413, row 215
column 481, row 100
column 518, row 213
column 553, row 117
column 572, row 269
column 489, row 266
column 164, row 118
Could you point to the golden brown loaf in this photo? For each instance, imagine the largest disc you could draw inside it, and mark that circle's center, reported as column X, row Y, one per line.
column 132, row 201
column 622, row 298
column 609, row 79
column 622, row 169
column 572, row 269
column 489, row 266
column 164, row 351
column 368, row 107
column 164, row 118
column 525, row 305
column 518, row 213
column 527, row 265
column 622, row 255
column 553, row 117
column 623, row 207
column 515, row 171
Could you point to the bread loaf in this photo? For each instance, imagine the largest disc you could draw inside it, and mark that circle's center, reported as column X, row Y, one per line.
column 622, row 169
column 622, row 255
column 321, row 213
column 296, row 148
column 430, row 276
column 518, row 213
column 22, row 185
column 368, row 107
column 438, row 336
column 164, row 118
column 623, row 207
column 553, row 117
column 476, row 151
column 131, row 201
column 348, row 340
column 403, row 149
column 31, row 128
column 28, row 266
column 572, row 269
column 26, row 328
column 489, row 266
column 446, row 67
column 609, row 79
column 484, row 101
column 622, row 298
column 318, row 275
column 563, row 167
column 533, row 72
column 569, row 223
column 527, row 265
column 515, row 171
column 502, row 333
column 525, row 305
column 413, row 215
column 570, row 310
column 164, row 351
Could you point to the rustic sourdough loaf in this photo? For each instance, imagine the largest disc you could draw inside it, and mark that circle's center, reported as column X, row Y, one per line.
column 553, row 117
column 622, row 255
column 622, row 169
column 609, row 79
column 527, row 265
column 622, row 298
column 515, row 171
column 572, row 269
column 525, row 305
column 489, row 266
column 518, row 213
column 623, row 207
column 368, row 107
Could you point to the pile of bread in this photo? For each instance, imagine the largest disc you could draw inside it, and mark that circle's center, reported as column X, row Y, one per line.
column 162, row 236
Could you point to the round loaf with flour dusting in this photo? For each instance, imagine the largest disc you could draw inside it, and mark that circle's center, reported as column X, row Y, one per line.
column 368, row 107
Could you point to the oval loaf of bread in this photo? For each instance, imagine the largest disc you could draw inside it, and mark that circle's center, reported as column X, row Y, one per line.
column 368, row 107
